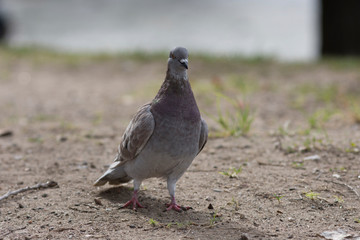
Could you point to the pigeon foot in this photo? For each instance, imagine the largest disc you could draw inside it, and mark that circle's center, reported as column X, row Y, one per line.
column 134, row 202
column 174, row 206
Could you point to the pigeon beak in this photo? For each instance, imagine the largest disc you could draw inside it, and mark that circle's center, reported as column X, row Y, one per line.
column 184, row 62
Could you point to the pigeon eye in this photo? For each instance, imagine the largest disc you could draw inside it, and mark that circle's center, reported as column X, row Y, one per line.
column 172, row 56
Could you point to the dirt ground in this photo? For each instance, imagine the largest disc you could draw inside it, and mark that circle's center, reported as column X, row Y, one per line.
column 66, row 117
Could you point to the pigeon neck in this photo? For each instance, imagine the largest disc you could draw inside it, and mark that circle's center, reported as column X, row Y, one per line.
column 176, row 75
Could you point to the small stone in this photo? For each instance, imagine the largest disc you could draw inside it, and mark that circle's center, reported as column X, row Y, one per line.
column 244, row 237
column 98, row 201
column 20, row 205
column 44, row 195
column 132, row 226
column 335, row 175
column 210, row 206
column 208, row 198
column 217, row 190
column 5, row 133
column 18, row 157
column 61, row 138
column 313, row 157
column 291, row 219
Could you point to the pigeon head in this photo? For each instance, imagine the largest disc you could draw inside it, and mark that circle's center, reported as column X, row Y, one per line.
column 178, row 59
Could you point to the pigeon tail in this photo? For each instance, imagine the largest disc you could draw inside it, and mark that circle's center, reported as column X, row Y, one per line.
column 114, row 175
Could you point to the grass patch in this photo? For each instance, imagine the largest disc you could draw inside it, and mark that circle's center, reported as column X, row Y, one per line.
column 312, row 195
column 278, row 198
column 153, row 222
column 237, row 120
column 232, row 172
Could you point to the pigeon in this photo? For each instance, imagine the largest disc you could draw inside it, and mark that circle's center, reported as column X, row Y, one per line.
column 164, row 136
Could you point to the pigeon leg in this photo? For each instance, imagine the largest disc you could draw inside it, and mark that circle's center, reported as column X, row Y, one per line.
column 134, row 199
column 171, row 187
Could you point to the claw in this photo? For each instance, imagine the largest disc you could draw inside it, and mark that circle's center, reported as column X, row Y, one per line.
column 176, row 207
column 134, row 201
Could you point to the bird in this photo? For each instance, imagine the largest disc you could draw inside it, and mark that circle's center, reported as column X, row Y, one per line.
column 163, row 137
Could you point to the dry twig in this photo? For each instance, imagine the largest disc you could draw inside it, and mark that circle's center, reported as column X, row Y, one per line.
column 48, row 184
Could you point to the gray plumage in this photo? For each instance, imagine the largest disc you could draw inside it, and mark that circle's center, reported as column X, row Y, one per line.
column 163, row 137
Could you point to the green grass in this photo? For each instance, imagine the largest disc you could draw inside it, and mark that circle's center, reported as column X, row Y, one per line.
column 232, row 172
column 338, row 199
column 355, row 111
column 278, row 198
column 237, row 119
column 43, row 55
column 353, row 148
column 214, row 219
column 312, row 195
column 35, row 140
column 153, row 222
column 341, row 63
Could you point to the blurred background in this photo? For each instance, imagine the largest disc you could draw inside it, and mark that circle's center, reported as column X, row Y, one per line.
column 287, row 30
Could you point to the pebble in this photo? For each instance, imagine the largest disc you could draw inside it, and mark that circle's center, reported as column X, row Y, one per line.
column 18, row 157
column 61, row 138
column 208, row 198
column 313, row 157
column 244, row 237
column 335, row 175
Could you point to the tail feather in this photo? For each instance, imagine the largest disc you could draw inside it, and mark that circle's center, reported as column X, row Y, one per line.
column 114, row 175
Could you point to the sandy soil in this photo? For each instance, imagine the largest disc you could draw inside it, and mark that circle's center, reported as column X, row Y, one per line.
column 67, row 119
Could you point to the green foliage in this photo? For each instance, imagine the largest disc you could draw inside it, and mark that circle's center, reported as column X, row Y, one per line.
column 297, row 165
column 232, row 173
column 312, row 195
column 243, row 84
column 355, row 111
column 35, row 140
column 153, row 222
column 214, row 219
column 353, row 148
column 235, row 122
column 278, row 197
column 235, row 203
column 338, row 199
column 319, row 117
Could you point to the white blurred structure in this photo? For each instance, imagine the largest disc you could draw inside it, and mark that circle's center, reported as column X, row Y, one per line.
column 286, row 29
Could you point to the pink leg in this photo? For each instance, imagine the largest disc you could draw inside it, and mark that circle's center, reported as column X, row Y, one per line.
column 176, row 207
column 134, row 201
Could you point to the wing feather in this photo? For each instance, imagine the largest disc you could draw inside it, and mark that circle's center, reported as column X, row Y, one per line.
column 136, row 135
column 203, row 135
